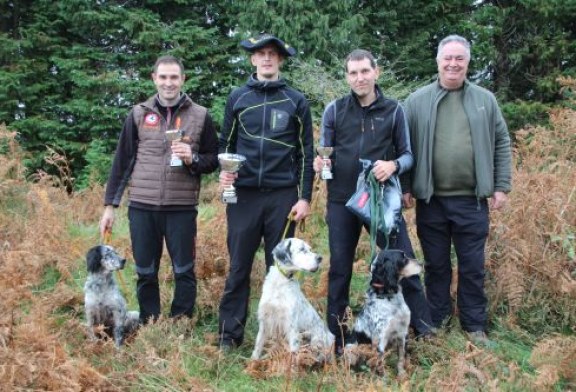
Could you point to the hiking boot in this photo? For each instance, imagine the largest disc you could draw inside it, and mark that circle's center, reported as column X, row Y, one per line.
column 479, row 338
column 227, row 346
column 427, row 336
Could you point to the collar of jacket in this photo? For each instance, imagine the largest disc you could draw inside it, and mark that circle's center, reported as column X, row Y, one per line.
column 440, row 88
column 378, row 102
column 183, row 98
column 253, row 82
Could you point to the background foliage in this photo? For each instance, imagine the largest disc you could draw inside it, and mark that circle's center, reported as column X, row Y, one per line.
column 70, row 70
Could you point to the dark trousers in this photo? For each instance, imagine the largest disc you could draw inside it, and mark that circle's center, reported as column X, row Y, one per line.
column 148, row 231
column 344, row 230
column 463, row 221
column 258, row 214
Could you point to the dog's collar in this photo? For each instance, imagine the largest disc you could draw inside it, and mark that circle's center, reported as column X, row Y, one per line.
column 378, row 295
column 288, row 274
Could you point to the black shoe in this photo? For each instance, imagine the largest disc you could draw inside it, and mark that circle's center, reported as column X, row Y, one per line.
column 479, row 338
column 227, row 346
column 427, row 336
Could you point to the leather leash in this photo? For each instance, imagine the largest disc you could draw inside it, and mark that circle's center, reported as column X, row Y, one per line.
column 106, row 241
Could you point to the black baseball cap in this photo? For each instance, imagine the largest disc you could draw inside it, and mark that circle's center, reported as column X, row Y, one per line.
column 252, row 44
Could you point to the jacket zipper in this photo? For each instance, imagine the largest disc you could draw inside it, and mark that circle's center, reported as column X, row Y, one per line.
column 169, row 124
column 262, row 134
column 361, row 145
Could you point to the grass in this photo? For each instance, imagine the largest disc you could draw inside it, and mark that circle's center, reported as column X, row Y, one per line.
column 46, row 232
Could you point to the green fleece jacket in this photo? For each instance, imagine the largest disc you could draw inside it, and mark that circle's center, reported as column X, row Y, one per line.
column 490, row 140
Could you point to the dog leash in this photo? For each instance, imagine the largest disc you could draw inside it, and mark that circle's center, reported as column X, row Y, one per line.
column 289, row 221
column 297, row 274
column 106, row 241
column 376, row 212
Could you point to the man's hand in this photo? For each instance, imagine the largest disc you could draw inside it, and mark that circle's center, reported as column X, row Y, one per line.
column 107, row 220
column 383, row 170
column 300, row 210
column 319, row 163
column 407, row 200
column 182, row 151
column 226, row 179
column 498, row 200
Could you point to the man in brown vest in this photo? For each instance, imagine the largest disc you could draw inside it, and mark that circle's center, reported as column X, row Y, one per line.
column 163, row 176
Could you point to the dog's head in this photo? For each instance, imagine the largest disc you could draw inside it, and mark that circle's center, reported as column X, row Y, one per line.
column 388, row 268
column 293, row 254
column 102, row 258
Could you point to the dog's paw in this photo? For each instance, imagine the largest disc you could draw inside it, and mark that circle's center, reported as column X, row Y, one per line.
column 351, row 354
column 401, row 374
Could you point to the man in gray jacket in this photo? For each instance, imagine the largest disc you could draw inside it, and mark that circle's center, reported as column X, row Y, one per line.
column 462, row 168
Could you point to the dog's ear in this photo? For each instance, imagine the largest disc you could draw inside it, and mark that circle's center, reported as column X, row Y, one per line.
column 281, row 252
column 412, row 267
column 93, row 259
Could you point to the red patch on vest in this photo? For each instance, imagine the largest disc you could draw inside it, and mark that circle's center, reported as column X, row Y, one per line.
column 152, row 120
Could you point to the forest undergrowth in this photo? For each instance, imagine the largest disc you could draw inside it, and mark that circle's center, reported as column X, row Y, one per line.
column 45, row 232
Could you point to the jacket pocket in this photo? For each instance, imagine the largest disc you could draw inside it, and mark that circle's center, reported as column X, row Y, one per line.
column 279, row 120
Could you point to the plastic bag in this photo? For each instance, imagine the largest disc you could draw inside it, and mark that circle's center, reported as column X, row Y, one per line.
column 378, row 205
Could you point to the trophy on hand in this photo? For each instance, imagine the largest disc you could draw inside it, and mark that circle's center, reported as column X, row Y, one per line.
column 230, row 163
column 175, row 135
column 325, row 152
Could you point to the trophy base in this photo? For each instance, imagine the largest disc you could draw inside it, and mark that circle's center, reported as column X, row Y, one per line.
column 229, row 199
column 175, row 162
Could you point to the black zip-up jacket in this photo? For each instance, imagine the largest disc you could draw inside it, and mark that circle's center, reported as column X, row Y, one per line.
column 375, row 132
column 270, row 124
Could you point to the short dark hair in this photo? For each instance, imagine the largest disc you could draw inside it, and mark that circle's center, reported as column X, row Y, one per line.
column 357, row 55
column 168, row 59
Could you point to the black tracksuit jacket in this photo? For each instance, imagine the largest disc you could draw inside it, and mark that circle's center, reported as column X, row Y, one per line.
column 270, row 124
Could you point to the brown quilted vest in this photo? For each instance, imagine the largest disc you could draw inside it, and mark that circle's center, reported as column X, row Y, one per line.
column 153, row 180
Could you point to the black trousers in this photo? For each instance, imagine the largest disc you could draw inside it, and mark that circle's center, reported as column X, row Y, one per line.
column 463, row 221
column 344, row 230
column 259, row 214
column 148, row 231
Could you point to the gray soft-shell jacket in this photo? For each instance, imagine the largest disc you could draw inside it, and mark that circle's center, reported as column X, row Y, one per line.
column 490, row 140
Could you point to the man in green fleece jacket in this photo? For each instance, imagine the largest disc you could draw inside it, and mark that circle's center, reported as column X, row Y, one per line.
column 462, row 169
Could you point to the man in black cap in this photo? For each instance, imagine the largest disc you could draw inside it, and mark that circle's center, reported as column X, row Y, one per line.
column 270, row 124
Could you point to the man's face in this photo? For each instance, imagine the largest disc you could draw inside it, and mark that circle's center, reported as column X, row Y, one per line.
column 168, row 80
column 453, row 65
column 361, row 77
column 267, row 61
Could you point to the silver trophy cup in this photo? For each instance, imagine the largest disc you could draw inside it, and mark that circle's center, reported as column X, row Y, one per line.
column 325, row 152
column 230, row 163
column 173, row 135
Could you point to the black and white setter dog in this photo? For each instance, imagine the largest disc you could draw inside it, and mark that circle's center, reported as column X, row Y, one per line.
column 385, row 317
column 103, row 302
column 283, row 311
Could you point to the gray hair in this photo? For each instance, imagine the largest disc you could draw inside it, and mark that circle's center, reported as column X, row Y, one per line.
column 453, row 38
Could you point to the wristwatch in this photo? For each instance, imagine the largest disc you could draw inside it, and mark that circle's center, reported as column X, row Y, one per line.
column 194, row 159
column 397, row 164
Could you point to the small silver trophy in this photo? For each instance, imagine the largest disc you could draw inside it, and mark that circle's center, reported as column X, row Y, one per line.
column 230, row 163
column 325, row 152
column 173, row 135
